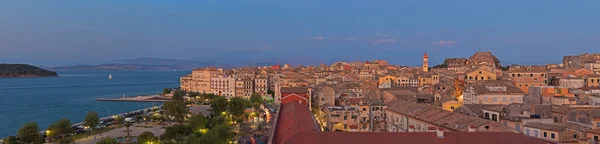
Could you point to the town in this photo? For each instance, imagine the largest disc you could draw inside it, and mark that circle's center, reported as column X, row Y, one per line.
column 474, row 99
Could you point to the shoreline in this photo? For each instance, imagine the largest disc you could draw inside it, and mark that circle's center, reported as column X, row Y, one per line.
column 26, row 76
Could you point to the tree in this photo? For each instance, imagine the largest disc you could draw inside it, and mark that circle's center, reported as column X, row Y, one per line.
column 219, row 105
column 119, row 119
column 166, row 91
column 175, row 109
column 256, row 99
column 107, row 140
column 178, row 95
column 29, row 134
column 61, row 129
column 147, row 137
column 236, row 107
column 176, row 132
column 11, row 140
column 91, row 119
column 197, row 122
column 127, row 125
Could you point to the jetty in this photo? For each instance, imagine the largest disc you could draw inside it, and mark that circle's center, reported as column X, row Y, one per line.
column 149, row 98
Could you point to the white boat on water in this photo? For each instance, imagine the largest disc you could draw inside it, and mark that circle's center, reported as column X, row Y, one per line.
column 110, row 76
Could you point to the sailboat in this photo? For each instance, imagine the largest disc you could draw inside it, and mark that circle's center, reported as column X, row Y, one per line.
column 110, row 76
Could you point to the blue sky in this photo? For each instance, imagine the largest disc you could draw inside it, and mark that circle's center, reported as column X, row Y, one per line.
column 516, row 31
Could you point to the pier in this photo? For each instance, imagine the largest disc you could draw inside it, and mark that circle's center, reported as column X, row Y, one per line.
column 150, row 98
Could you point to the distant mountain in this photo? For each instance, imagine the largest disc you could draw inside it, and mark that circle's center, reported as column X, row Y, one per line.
column 145, row 64
column 23, row 70
column 289, row 60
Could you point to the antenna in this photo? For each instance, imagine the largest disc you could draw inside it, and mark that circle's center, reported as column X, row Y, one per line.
column 479, row 49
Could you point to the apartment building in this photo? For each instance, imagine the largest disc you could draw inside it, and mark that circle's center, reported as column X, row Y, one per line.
column 223, row 85
column 492, row 92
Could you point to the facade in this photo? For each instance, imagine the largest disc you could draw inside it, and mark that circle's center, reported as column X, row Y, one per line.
column 479, row 74
column 326, row 96
column 524, row 83
column 551, row 132
column 294, row 94
column 425, row 63
column 342, row 119
column 493, row 92
column 223, row 86
column 262, row 84
column 244, row 87
column 199, row 80
column 592, row 81
column 572, row 83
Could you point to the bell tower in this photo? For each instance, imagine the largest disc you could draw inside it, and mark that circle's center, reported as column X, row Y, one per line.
column 425, row 62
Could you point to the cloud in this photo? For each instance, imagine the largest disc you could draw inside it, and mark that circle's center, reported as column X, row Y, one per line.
column 444, row 43
column 382, row 35
column 263, row 48
column 319, row 38
column 350, row 38
column 390, row 40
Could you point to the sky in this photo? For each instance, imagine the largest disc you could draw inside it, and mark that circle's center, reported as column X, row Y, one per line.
column 400, row 31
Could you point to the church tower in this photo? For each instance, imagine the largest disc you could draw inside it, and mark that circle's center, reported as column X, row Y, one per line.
column 425, row 63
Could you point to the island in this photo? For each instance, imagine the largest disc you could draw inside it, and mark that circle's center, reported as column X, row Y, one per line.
column 23, row 70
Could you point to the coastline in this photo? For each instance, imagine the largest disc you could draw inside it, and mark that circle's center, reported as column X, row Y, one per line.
column 27, row 76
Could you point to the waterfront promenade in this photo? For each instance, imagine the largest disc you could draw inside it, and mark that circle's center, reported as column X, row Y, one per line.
column 136, row 130
column 150, row 98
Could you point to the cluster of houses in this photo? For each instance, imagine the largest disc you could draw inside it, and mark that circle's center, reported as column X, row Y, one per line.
column 552, row 103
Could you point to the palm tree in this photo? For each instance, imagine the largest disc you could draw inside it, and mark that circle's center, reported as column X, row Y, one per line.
column 128, row 124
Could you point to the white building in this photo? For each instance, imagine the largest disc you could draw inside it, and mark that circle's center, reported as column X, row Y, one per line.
column 223, row 85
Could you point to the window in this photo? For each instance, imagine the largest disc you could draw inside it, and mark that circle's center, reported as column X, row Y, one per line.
column 518, row 127
column 487, row 115
column 482, row 78
column 345, row 117
column 495, row 99
column 470, row 77
column 479, row 72
column 545, row 134
column 596, row 138
column 527, row 132
column 494, row 117
column 345, row 126
column 485, row 99
column 505, row 123
column 513, row 75
column 364, row 109
column 535, row 133
column 503, row 99
column 575, row 135
column 364, row 126
column 452, row 107
column 552, row 135
column 354, row 117
column 322, row 99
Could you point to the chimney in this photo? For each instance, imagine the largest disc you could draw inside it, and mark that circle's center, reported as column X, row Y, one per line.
column 532, row 109
column 440, row 132
column 472, row 129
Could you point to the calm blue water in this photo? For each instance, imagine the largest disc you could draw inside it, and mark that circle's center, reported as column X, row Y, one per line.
column 73, row 94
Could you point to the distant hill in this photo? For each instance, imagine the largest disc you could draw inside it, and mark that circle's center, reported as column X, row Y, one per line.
column 145, row 64
column 23, row 70
column 289, row 60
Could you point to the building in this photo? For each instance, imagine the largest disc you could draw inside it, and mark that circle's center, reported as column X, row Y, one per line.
column 485, row 58
column 571, row 82
column 342, row 119
column 592, row 80
column 402, row 116
column 199, row 80
column 262, row 85
column 326, row 95
column 480, row 73
column 492, row 92
column 386, row 81
column 302, row 95
column 223, row 85
column 552, row 132
column 524, row 83
column 529, row 72
column 425, row 63
column 296, row 125
column 550, row 95
column 244, row 87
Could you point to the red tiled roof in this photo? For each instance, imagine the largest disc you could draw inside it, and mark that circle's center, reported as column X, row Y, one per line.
column 412, row 138
column 293, row 118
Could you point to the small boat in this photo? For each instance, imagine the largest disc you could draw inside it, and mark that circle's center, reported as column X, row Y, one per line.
column 110, row 76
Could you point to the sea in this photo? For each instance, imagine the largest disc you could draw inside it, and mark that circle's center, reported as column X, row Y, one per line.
column 73, row 93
